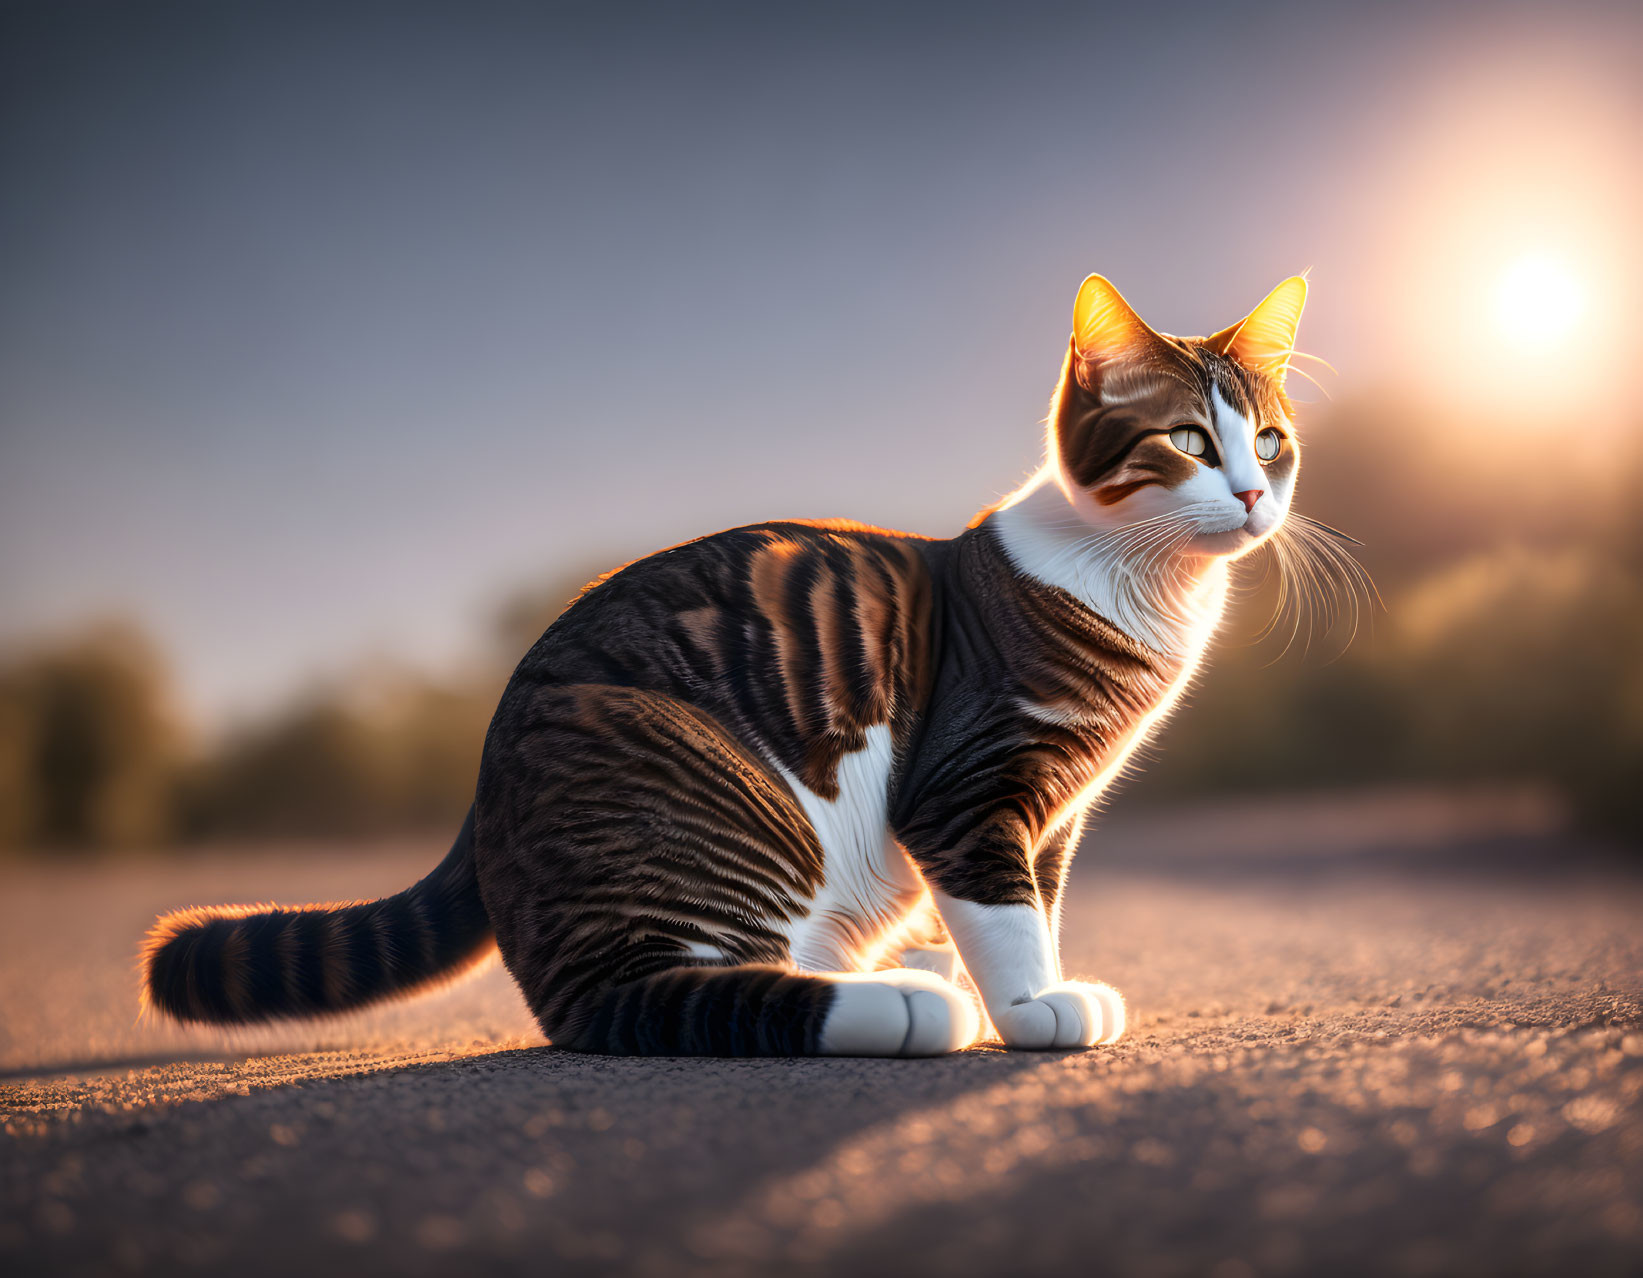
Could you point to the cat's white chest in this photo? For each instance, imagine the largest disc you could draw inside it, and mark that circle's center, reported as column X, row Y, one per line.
column 869, row 884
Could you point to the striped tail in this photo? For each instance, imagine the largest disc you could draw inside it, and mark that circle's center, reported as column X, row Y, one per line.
column 242, row 965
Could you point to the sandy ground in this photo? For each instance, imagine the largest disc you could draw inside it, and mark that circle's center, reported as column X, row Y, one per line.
column 1398, row 1036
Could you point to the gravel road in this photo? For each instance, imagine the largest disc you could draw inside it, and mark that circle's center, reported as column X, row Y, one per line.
column 1370, row 1038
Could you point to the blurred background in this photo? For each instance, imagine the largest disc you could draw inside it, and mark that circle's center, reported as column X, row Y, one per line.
column 340, row 345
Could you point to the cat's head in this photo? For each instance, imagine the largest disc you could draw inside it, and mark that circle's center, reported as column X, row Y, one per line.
column 1192, row 434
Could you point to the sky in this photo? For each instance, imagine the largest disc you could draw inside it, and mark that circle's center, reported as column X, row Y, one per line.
column 325, row 327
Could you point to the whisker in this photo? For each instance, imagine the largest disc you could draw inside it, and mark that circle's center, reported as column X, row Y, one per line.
column 1333, row 532
column 1297, row 354
column 1320, row 586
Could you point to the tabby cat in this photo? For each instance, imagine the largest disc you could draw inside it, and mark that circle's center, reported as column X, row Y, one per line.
column 747, row 795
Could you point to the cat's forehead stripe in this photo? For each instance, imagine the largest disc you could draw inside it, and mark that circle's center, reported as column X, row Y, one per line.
column 1231, row 422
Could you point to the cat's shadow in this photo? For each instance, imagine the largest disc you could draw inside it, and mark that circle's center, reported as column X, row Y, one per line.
column 718, row 1125
column 521, row 1158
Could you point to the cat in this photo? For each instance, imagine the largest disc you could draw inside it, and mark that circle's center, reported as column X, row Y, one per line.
column 737, row 779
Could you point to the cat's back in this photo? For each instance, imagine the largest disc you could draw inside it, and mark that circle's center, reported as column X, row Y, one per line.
column 799, row 635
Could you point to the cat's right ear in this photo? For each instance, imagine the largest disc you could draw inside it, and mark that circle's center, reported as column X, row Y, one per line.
column 1105, row 326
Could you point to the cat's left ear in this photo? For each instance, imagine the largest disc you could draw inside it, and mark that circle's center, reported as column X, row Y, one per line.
column 1265, row 338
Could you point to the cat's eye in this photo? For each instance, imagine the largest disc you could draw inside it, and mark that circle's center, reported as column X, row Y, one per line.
column 1268, row 444
column 1190, row 440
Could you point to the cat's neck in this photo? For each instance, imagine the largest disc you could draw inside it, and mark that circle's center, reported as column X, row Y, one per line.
column 1171, row 605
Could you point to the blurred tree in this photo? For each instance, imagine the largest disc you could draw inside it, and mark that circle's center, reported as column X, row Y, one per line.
column 428, row 737
column 1511, row 665
column 18, row 785
column 384, row 751
column 400, row 755
column 88, row 744
column 1523, row 664
column 312, row 770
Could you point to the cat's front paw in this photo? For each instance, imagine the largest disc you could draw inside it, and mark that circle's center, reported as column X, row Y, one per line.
column 1071, row 1014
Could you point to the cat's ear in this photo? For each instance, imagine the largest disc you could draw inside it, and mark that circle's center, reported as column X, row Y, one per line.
column 1265, row 338
column 1104, row 324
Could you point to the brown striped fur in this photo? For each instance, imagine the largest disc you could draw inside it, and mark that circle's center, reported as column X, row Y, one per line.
column 669, row 760
column 245, row 964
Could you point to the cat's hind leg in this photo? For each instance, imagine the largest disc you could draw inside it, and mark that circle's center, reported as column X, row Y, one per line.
column 642, row 869
column 772, row 1011
column 931, row 1015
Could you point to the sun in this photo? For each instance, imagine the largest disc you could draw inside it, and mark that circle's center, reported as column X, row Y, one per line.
column 1539, row 302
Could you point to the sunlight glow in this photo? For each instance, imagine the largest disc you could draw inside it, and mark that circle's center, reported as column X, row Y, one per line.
column 1539, row 302
column 1504, row 273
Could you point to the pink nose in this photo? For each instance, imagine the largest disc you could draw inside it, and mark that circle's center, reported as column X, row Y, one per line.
column 1249, row 497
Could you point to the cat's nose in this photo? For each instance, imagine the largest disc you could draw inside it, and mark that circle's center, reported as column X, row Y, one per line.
column 1249, row 497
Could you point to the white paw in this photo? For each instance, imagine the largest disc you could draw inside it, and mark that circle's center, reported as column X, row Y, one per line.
column 898, row 1012
column 1071, row 1014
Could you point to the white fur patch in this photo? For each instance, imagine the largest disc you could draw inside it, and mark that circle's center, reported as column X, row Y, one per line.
column 1011, row 957
column 1007, row 949
column 1240, row 467
column 868, row 883
column 1070, row 1014
column 899, row 1012
column 1056, row 541
column 1243, row 469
